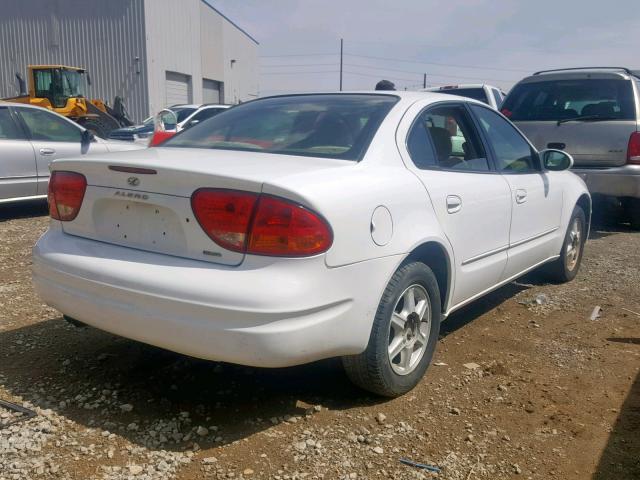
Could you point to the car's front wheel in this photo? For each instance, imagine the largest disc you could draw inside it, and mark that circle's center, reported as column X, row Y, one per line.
column 404, row 334
column 566, row 267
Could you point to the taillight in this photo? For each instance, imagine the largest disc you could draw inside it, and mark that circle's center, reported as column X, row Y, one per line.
column 224, row 215
column 282, row 228
column 260, row 224
column 506, row 112
column 633, row 150
column 66, row 192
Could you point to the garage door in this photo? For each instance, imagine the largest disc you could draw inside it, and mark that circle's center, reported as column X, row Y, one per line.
column 177, row 88
column 211, row 91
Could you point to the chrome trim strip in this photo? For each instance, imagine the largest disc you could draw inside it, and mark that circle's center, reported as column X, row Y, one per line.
column 484, row 255
column 19, row 199
column 19, row 177
column 530, row 239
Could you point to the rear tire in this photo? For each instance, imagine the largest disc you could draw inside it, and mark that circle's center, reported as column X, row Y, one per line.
column 404, row 334
column 566, row 267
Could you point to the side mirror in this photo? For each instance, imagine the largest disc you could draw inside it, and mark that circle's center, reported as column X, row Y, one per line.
column 556, row 160
column 87, row 137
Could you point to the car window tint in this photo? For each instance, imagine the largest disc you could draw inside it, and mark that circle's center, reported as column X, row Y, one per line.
column 454, row 139
column 182, row 112
column 333, row 126
column 419, row 145
column 8, row 128
column 206, row 113
column 47, row 126
column 564, row 99
column 513, row 153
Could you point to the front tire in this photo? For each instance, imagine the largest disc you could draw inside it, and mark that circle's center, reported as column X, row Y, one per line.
column 566, row 267
column 404, row 334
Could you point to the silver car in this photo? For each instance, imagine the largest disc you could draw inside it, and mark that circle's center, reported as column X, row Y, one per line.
column 593, row 114
column 30, row 138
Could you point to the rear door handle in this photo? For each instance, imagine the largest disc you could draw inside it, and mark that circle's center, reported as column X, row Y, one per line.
column 47, row 151
column 521, row 196
column 454, row 203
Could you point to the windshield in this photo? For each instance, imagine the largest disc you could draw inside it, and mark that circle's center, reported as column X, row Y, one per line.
column 565, row 99
column 475, row 93
column 182, row 112
column 59, row 84
column 333, row 125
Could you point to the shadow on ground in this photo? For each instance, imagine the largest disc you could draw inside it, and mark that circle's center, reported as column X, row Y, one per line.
column 72, row 371
column 620, row 459
column 30, row 209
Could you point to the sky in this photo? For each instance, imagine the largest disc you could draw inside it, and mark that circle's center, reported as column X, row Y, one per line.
column 454, row 41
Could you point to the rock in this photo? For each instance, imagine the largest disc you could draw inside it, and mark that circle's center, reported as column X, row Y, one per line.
column 516, row 469
column 126, row 407
column 541, row 299
column 454, row 411
column 380, row 418
column 247, row 471
column 209, row 460
column 378, row 450
column 202, row 431
column 300, row 446
column 135, row 469
column 471, row 366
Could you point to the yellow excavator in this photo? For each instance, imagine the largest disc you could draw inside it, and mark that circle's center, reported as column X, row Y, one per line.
column 62, row 89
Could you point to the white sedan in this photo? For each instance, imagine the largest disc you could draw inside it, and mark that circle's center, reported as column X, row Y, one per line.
column 295, row 228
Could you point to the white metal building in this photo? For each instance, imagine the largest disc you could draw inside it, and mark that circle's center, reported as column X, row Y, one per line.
column 152, row 53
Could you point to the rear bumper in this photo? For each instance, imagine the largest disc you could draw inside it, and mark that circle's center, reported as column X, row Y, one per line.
column 621, row 181
column 266, row 313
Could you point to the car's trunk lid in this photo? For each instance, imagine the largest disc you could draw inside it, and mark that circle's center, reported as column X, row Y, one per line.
column 147, row 204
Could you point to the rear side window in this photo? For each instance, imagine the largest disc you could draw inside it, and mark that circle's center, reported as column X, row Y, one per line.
column 47, row 126
column 444, row 137
column 513, row 153
column 8, row 128
column 475, row 93
column 565, row 99
column 332, row 126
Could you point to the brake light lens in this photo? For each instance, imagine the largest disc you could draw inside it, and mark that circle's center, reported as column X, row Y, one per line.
column 283, row 228
column 633, row 150
column 160, row 137
column 506, row 112
column 224, row 215
column 260, row 224
column 66, row 192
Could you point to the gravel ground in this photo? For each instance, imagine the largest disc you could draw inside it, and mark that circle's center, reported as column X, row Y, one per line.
column 523, row 385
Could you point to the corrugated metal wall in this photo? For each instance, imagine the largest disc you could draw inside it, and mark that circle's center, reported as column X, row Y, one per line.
column 107, row 37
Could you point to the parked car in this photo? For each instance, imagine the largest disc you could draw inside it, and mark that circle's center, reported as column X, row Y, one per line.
column 488, row 94
column 30, row 138
column 593, row 114
column 300, row 227
column 187, row 115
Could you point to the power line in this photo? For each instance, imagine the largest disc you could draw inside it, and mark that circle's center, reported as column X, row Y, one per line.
column 430, row 74
column 302, row 65
column 300, row 55
column 437, row 64
column 299, row 73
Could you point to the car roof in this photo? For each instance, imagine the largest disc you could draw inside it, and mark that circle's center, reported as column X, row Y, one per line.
column 583, row 73
column 456, row 86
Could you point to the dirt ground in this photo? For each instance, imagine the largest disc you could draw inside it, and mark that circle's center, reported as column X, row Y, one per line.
column 553, row 393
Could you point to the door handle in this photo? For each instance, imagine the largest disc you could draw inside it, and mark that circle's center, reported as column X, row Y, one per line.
column 454, row 203
column 47, row 151
column 521, row 196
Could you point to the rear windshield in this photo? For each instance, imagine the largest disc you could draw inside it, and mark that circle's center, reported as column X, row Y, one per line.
column 565, row 99
column 475, row 93
column 332, row 126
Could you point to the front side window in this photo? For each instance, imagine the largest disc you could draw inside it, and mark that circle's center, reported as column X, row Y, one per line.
column 49, row 127
column 206, row 113
column 513, row 153
column 444, row 137
column 333, row 126
column 8, row 128
column 553, row 100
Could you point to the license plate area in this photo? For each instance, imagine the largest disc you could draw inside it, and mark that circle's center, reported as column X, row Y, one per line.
column 140, row 225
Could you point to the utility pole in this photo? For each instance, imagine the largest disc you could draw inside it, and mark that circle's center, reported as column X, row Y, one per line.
column 341, row 52
column 424, row 81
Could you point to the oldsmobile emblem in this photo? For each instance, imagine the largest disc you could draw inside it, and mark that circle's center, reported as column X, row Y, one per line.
column 133, row 181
